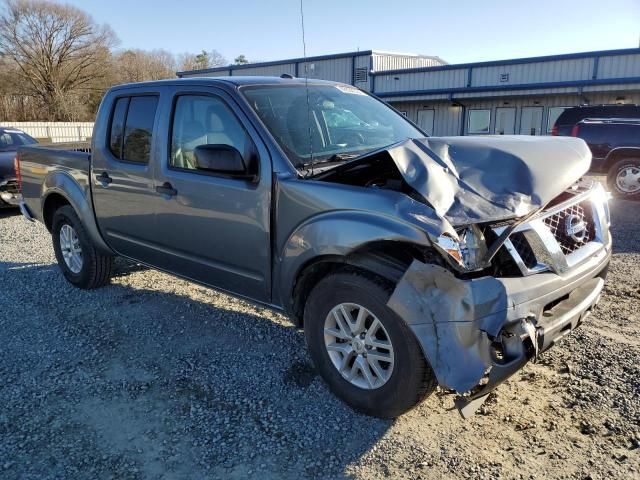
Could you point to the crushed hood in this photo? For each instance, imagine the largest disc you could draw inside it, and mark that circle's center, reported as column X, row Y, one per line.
column 475, row 179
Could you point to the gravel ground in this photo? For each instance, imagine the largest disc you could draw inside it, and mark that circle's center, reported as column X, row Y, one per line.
column 155, row 377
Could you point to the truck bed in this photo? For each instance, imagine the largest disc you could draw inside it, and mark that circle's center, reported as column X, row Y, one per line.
column 51, row 163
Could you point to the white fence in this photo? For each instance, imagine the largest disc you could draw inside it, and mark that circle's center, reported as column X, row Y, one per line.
column 56, row 131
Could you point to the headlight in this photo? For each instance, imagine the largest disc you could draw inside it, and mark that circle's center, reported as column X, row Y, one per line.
column 601, row 197
column 468, row 250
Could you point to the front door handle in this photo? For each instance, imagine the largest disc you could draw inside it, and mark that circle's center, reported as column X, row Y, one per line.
column 167, row 189
column 105, row 179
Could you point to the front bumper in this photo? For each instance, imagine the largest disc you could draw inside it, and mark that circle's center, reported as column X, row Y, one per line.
column 477, row 333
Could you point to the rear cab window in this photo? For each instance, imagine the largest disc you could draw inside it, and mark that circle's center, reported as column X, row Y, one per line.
column 131, row 129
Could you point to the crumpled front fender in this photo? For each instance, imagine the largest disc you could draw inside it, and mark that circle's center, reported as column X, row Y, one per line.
column 454, row 320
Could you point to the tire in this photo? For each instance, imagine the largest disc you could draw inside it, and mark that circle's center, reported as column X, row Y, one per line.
column 95, row 269
column 617, row 178
column 410, row 378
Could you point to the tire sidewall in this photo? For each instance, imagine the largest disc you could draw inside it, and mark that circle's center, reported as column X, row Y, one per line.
column 613, row 175
column 67, row 216
column 387, row 400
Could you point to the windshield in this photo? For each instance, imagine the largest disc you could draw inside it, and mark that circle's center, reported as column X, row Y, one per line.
column 10, row 140
column 340, row 123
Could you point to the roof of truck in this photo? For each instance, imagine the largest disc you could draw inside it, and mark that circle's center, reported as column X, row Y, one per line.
column 234, row 80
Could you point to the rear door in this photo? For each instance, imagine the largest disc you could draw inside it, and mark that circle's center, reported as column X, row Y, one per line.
column 122, row 174
column 213, row 229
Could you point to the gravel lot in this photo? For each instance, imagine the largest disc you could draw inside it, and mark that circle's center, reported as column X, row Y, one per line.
column 155, row 377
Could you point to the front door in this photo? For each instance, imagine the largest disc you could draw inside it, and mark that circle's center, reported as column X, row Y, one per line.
column 425, row 120
column 505, row 121
column 213, row 229
column 122, row 175
column 531, row 121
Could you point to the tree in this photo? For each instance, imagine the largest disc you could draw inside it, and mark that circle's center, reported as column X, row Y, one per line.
column 58, row 50
column 241, row 60
column 201, row 61
column 139, row 66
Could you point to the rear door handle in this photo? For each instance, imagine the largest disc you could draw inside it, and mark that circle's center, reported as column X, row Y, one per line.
column 167, row 189
column 105, row 179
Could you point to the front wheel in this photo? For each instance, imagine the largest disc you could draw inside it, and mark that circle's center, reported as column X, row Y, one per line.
column 623, row 178
column 365, row 353
column 81, row 263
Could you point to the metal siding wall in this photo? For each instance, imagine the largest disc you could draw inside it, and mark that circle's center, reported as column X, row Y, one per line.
column 337, row 69
column 619, row 66
column 456, row 78
column 56, row 131
column 538, row 72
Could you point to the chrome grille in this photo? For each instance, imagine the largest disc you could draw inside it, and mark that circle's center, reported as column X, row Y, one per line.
column 523, row 248
column 558, row 223
column 561, row 237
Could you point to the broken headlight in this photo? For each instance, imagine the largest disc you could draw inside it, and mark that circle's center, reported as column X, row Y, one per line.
column 468, row 250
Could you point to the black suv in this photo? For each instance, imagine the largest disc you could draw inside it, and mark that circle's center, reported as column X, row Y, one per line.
column 613, row 135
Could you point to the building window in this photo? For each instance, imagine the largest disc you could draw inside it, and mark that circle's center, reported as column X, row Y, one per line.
column 554, row 113
column 479, row 121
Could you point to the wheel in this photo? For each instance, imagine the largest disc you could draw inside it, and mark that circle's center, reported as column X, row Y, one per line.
column 623, row 178
column 365, row 353
column 80, row 262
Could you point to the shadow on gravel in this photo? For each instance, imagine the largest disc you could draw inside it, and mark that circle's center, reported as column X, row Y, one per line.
column 6, row 212
column 135, row 383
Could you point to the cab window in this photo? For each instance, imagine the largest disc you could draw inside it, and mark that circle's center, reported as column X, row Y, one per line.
column 203, row 120
column 131, row 130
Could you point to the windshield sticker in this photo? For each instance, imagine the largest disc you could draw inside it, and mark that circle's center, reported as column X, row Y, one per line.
column 349, row 89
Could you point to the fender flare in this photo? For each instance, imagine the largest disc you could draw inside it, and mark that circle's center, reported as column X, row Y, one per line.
column 61, row 183
column 333, row 236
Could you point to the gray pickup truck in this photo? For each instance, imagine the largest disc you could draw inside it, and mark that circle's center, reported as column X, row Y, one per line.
column 409, row 261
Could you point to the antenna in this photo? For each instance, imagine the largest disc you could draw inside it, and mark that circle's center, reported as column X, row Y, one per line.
column 306, row 85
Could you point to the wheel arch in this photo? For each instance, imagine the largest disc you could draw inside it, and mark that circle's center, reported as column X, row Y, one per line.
column 61, row 189
column 385, row 260
column 620, row 153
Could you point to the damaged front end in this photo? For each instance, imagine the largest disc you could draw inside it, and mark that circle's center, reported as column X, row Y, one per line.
column 478, row 330
column 526, row 249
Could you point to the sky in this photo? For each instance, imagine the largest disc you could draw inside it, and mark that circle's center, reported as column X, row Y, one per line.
column 456, row 30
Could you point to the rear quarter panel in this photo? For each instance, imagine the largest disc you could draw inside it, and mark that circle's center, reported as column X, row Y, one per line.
column 63, row 170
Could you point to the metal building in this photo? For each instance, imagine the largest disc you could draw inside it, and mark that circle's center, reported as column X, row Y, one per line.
column 519, row 96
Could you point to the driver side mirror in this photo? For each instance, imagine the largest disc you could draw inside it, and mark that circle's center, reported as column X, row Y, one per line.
column 224, row 160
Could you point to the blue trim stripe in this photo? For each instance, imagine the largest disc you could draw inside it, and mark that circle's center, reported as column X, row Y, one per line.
column 522, row 86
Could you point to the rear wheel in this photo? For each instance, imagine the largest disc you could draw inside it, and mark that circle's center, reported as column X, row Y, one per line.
column 624, row 178
column 81, row 263
column 362, row 349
